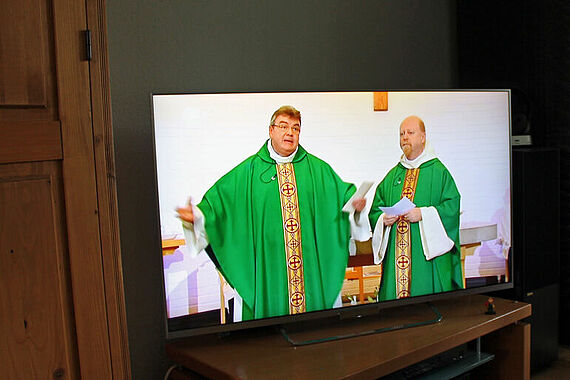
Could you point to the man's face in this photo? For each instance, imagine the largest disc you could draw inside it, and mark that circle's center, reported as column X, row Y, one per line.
column 412, row 139
column 284, row 134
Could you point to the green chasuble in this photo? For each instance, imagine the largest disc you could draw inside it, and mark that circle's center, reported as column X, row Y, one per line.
column 245, row 230
column 435, row 187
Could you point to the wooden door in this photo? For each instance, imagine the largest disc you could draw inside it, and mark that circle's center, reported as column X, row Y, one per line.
column 61, row 305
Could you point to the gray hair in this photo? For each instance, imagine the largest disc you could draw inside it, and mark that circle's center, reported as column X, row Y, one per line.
column 286, row 110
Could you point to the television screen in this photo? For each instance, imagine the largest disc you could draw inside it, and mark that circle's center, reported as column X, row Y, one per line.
column 276, row 241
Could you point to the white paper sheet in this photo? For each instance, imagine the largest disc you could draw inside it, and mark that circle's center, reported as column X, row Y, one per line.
column 403, row 206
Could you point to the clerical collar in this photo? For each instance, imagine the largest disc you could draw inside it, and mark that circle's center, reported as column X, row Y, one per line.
column 425, row 156
column 277, row 157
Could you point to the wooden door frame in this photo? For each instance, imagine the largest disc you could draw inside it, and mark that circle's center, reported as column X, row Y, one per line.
column 106, row 190
column 90, row 190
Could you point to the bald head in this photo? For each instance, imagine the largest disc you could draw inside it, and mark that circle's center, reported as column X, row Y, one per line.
column 412, row 137
column 411, row 120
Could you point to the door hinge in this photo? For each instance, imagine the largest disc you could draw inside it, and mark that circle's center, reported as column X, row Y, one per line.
column 88, row 48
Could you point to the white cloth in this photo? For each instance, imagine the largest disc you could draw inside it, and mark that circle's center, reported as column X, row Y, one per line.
column 359, row 225
column 279, row 158
column 427, row 154
column 195, row 233
column 238, row 307
column 380, row 238
column 435, row 241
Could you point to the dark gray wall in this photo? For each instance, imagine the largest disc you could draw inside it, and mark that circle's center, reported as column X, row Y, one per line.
column 525, row 45
column 195, row 46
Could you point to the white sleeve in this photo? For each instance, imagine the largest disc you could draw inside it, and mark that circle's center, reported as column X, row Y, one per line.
column 435, row 241
column 359, row 225
column 380, row 238
column 238, row 308
column 195, row 233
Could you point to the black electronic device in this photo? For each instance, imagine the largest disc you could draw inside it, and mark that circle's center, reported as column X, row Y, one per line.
column 200, row 137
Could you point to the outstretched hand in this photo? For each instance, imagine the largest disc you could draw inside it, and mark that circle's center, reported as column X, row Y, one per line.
column 185, row 213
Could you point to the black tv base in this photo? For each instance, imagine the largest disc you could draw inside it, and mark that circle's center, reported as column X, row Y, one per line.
column 343, row 334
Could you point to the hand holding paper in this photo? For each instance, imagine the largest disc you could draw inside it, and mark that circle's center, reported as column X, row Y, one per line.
column 403, row 206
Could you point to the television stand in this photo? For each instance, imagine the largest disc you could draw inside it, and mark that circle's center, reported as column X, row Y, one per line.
column 260, row 353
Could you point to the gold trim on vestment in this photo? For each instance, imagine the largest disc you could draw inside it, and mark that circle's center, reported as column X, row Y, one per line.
column 292, row 232
column 403, row 259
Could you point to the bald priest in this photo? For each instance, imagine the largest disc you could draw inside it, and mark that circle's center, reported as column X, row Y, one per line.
column 419, row 250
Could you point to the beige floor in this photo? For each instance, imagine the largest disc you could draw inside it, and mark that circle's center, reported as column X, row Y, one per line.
column 558, row 370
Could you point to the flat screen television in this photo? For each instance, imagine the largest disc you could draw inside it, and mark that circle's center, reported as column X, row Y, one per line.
column 199, row 137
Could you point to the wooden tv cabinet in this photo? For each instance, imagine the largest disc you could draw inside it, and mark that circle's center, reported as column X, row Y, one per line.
column 264, row 353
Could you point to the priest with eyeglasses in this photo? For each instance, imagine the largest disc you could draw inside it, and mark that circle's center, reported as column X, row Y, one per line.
column 275, row 228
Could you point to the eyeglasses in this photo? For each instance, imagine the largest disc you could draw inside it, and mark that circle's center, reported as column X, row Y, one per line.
column 295, row 129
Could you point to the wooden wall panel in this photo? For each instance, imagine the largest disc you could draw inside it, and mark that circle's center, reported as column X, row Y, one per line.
column 30, row 141
column 27, row 62
column 36, row 323
column 24, row 62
